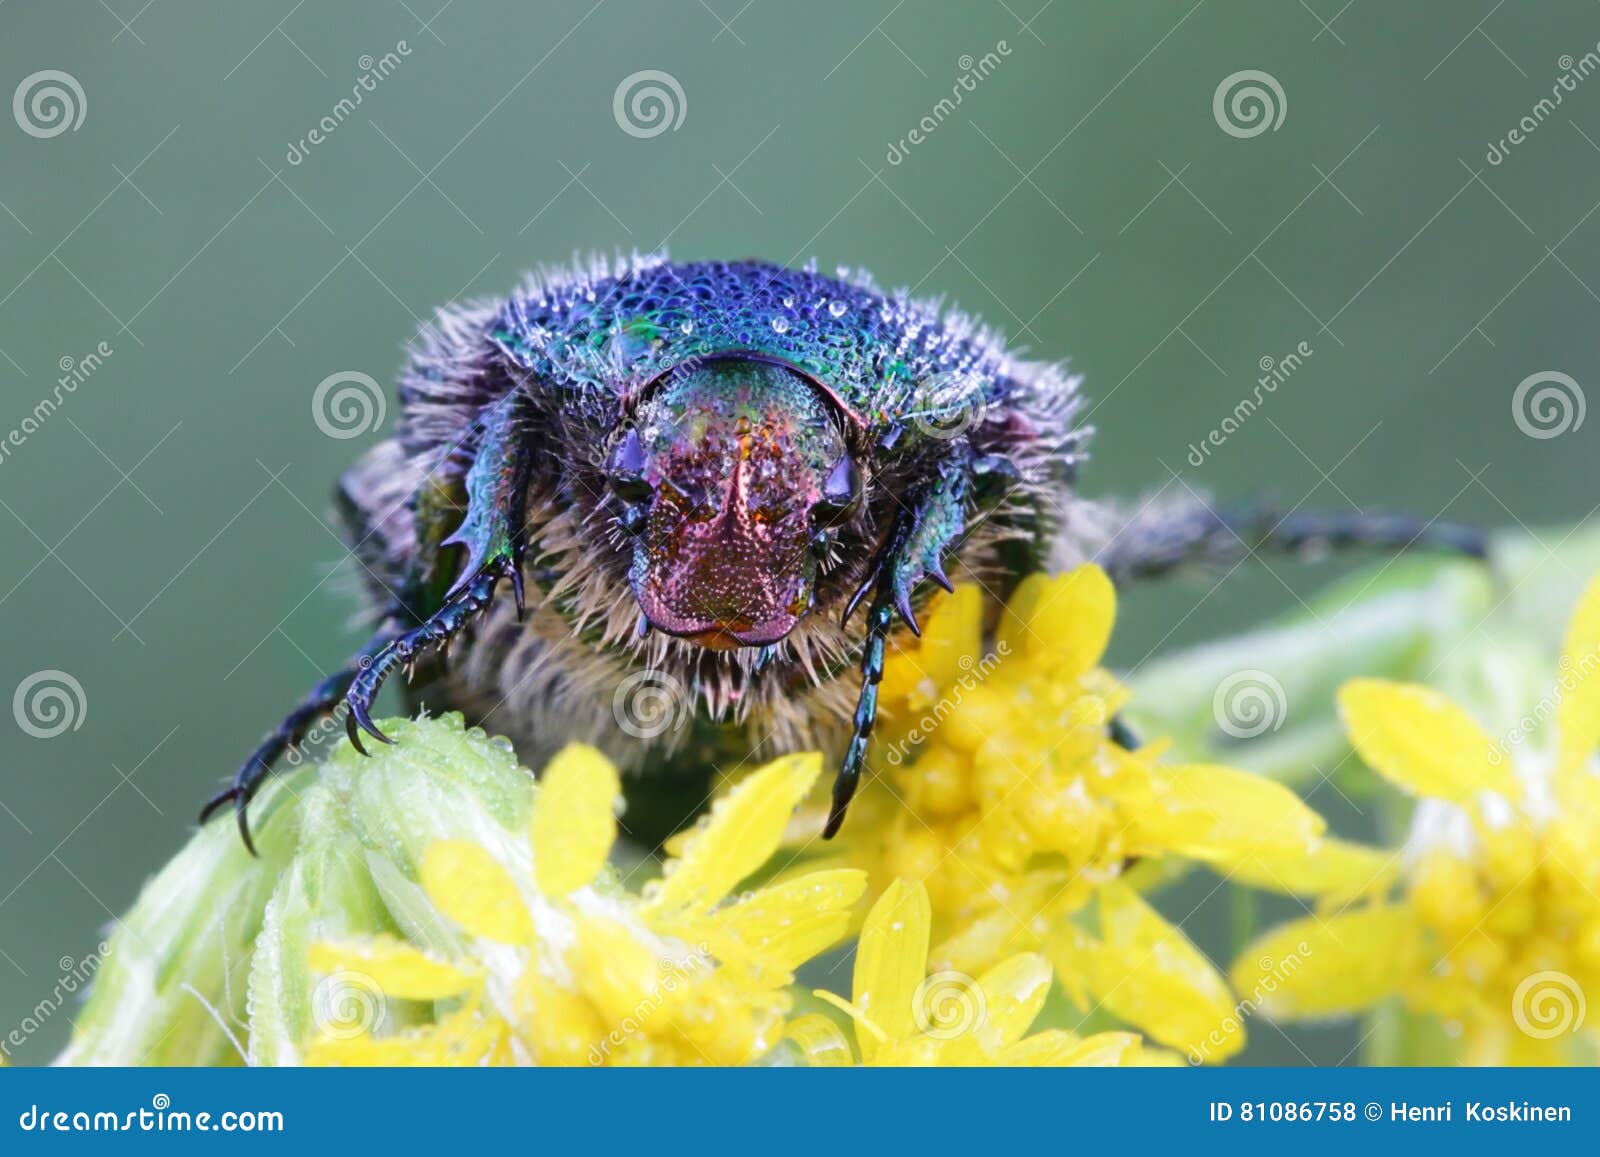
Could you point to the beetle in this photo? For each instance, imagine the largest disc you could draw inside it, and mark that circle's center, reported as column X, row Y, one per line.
column 714, row 489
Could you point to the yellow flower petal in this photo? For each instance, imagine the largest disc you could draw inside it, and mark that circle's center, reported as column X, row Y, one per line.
column 1421, row 741
column 1578, row 712
column 890, row 958
column 743, row 830
column 1326, row 966
column 617, row 971
column 1059, row 1048
column 574, row 821
column 1068, row 621
column 561, row 1026
column 788, row 923
column 1013, row 992
column 398, row 970
column 1012, row 631
column 952, row 637
column 820, row 1041
column 468, row 885
column 1223, row 815
column 1335, row 871
column 1148, row 973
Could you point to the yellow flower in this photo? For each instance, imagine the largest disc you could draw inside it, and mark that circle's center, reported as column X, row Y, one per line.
column 999, row 789
column 901, row 1016
column 1498, row 930
column 536, row 955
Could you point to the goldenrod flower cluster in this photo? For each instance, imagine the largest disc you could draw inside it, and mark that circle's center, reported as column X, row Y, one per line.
column 1497, row 932
column 433, row 905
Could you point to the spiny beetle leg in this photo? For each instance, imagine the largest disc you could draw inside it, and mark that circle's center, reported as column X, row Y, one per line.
column 880, row 617
column 318, row 703
column 472, row 600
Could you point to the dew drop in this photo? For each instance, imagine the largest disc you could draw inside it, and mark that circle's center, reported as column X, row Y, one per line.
column 836, row 307
column 780, row 325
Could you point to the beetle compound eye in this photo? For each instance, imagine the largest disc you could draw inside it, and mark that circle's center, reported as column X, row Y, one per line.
column 631, row 490
column 841, row 491
column 625, row 470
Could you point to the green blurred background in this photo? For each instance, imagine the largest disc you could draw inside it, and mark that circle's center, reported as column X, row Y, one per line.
column 163, row 534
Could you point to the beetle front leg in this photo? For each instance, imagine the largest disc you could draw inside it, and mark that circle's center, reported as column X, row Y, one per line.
column 491, row 533
column 913, row 550
column 318, row 704
column 438, row 631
